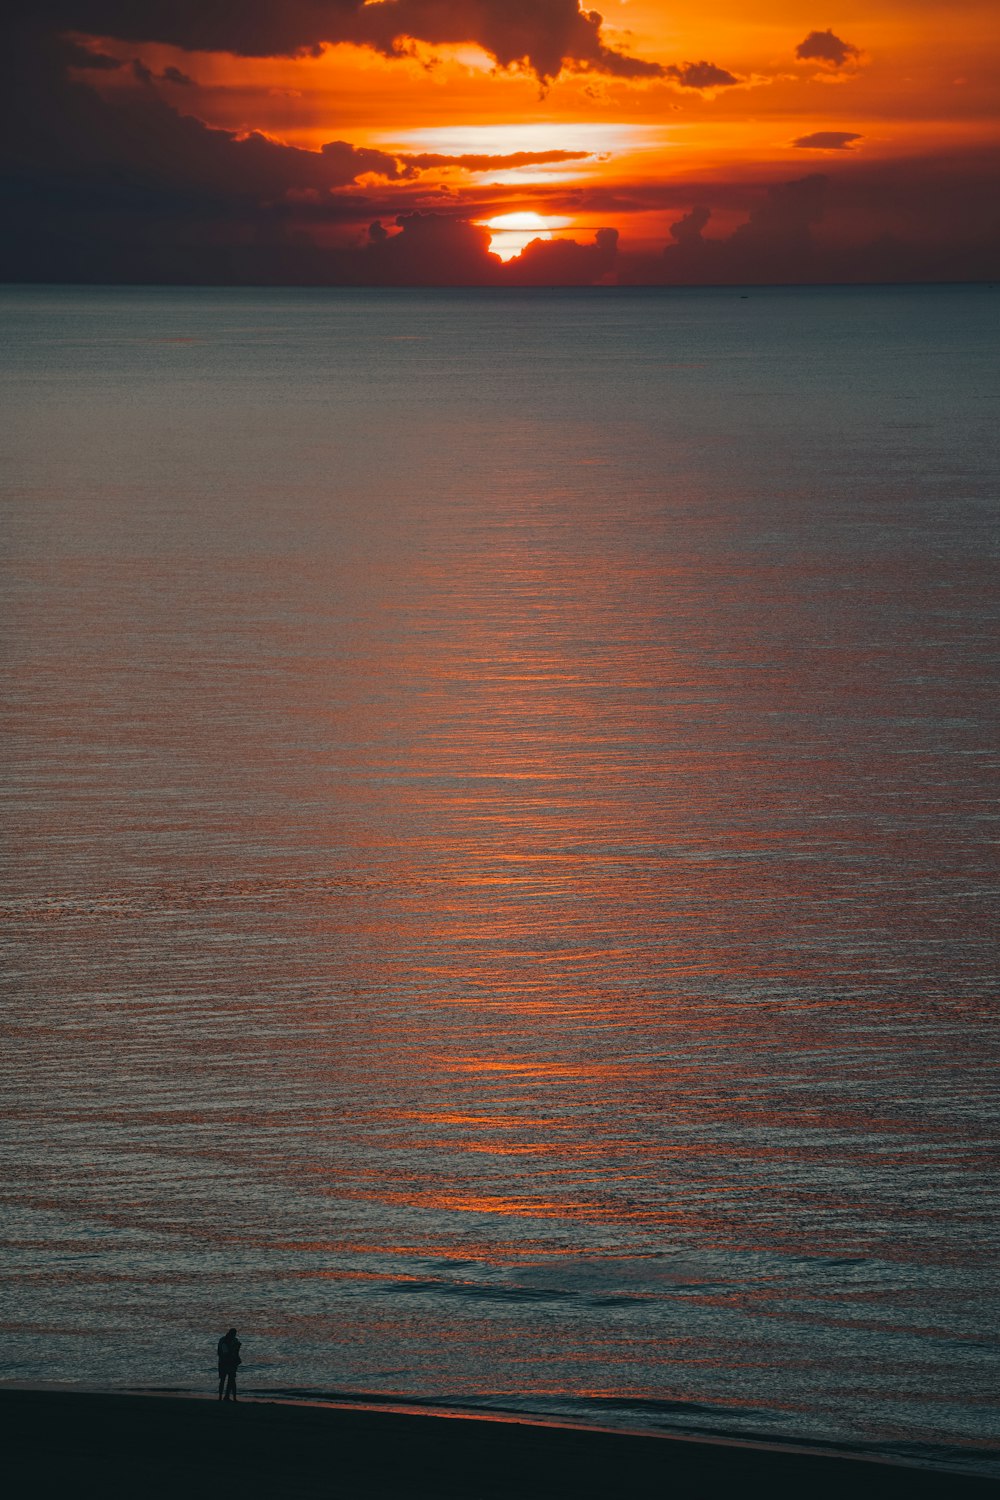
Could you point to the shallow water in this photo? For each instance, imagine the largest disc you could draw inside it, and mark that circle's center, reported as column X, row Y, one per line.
column 501, row 880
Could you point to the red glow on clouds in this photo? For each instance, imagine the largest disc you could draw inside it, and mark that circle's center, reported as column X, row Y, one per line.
column 414, row 142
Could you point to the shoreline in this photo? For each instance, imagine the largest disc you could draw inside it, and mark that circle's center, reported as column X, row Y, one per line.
column 189, row 1445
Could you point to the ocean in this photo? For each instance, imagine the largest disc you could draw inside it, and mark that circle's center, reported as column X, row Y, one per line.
column 500, row 887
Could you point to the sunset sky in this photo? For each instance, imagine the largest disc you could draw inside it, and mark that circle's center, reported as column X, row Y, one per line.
column 502, row 141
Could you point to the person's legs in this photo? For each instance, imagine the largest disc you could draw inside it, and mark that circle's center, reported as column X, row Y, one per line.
column 222, row 1382
column 231, row 1386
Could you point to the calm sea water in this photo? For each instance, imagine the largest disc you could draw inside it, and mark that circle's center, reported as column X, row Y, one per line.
column 501, row 877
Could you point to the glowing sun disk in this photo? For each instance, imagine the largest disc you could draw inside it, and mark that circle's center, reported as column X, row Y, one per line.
column 512, row 232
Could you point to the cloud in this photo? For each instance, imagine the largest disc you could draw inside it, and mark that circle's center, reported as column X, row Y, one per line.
column 75, row 55
column 118, row 184
column 429, row 250
column 911, row 220
column 470, row 162
column 564, row 262
column 436, row 250
column 786, row 213
column 687, row 231
column 701, row 75
column 72, row 144
column 828, row 140
column 546, row 36
column 828, row 50
column 775, row 244
column 128, row 189
column 146, row 76
column 346, row 163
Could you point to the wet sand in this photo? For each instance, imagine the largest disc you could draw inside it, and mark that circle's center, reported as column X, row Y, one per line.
column 62, row 1443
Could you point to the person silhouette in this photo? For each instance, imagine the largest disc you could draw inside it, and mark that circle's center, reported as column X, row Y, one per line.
column 229, row 1360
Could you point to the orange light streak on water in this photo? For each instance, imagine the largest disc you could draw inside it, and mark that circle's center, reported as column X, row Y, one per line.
column 532, row 883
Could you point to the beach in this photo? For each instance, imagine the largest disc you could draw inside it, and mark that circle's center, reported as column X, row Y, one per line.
column 115, row 1444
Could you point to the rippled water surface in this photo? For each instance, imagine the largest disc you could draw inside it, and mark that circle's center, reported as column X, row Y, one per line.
column 500, row 881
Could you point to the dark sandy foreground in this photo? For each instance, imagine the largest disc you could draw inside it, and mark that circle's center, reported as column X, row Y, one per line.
column 60, row 1443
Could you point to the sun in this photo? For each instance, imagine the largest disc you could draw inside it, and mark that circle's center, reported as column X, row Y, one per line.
column 512, row 232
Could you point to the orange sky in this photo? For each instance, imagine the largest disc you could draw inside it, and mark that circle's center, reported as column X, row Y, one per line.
column 656, row 108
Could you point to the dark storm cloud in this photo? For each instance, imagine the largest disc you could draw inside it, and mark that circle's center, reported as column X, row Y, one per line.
column 76, row 56
column 564, row 262
column 255, row 28
column 110, row 182
column 827, row 140
column 786, row 214
column 687, row 231
column 775, row 243
column 131, row 190
column 428, row 250
column 828, row 50
column 431, row 249
column 547, row 36
column 128, row 189
column 701, row 75
column 141, row 144
column 73, row 142
column 775, row 238
column 918, row 220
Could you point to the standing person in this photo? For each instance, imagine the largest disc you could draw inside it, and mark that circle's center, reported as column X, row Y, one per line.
column 229, row 1361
